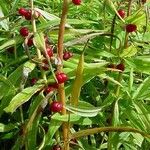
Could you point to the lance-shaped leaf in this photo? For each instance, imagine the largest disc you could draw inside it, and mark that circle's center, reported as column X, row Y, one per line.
column 39, row 41
column 65, row 118
column 141, row 89
column 78, row 81
column 84, row 109
column 128, row 52
column 84, row 38
column 6, row 128
column 22, row 97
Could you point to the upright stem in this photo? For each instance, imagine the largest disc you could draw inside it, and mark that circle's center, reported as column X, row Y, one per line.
column 33, row 21
column 61, row 90
column 119, row 78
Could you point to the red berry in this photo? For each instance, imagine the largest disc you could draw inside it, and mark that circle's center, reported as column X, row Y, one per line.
column 24, row 31
column 28, row 15
column 120, row 66
column 61, row 77
column 54, row 85
column 33, row 81
column 76, row 2
column 56, row 106
column 22, row 11
column 131, row 28
column 67, row 55
column 30, row 42
column 48, row 89
column 121, row 12
column 49, row 51
column 45, row 65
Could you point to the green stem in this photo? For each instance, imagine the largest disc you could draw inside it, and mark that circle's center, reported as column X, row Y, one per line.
column 33, row 21
column 107, row 129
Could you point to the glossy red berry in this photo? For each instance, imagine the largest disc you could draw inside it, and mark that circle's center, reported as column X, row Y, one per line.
column 48, row 89
column 28, row 15
column 45, row 65
column 77, row 2
column 56, row 106
column 121, row 12
column 33, row 81
column 30, row 42
column 49, row 51
column 120, row 66
column 67, row 55
column 22, row 11
column 24, row 31
column 131, row 28
column 61, row 77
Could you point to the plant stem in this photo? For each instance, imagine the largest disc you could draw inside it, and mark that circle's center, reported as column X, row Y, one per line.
column 61, row 90
column 119, row 79
column 33, row 21
column 107, row 129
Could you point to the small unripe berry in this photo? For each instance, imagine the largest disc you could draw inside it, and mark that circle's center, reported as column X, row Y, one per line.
column 56, row 106
column 30, row 42
column 67, row 55
column 24, row 31
column 49, row 51
column 77, row 2
column 131, row 28
column 48, row 89
column 33, row 81
column 120, row 66
column 61, row 77
column 22, row 11
column 45, row 65
column 121, row 12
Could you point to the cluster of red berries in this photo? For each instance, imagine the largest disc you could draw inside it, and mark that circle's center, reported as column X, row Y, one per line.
column 28, row 14
column 67, row 55
column 120, row 66
column 77, row 2
column 24, row 31
column 129, row 27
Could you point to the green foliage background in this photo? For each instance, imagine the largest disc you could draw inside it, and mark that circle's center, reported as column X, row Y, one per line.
column 99, row 103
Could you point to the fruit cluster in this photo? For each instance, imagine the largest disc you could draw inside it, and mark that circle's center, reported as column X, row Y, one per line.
column 61, row 77
column 129, row 27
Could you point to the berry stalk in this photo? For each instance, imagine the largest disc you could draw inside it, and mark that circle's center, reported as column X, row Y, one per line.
column 33, row 21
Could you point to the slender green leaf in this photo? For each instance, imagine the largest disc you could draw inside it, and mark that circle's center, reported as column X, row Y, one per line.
column 22, row 97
